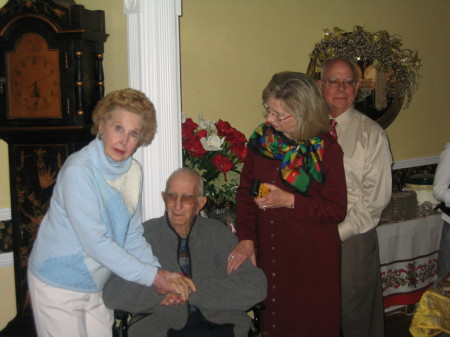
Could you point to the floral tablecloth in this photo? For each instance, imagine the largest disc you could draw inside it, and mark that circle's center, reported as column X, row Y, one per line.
column 408, row 258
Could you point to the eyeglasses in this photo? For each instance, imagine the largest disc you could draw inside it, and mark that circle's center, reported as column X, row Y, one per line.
column 185, row 199
column 274, row 115
column 337, row 83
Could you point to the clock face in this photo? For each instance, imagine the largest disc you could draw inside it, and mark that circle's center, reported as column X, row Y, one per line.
column 33, row 79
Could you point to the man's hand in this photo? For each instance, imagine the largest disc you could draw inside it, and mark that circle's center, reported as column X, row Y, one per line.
column 172, row 299
column 166, row 282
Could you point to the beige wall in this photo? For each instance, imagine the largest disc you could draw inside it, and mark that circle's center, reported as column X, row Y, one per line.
column 8, row 303
column 231, row 48
column 4, row 176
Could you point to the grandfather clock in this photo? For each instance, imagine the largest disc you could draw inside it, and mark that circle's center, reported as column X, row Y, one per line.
column 51, row 77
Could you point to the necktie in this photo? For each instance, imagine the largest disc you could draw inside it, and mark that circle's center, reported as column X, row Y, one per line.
column 333, row 132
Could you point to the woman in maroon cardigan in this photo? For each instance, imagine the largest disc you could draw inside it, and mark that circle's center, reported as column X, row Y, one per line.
column 291, row 233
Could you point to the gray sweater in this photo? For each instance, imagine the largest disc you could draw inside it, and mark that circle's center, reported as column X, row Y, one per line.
column 221, row 297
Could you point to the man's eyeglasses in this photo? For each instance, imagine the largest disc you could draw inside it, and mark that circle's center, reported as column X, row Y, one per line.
column 185, row 199
column 337, row 83
column 274, row 115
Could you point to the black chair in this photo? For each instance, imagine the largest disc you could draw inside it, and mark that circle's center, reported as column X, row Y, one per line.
column 122, row 318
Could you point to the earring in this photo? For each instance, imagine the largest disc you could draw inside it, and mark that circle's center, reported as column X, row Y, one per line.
column 100, row 136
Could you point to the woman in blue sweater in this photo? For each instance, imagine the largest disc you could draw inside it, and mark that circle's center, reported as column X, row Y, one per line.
column 94, row 227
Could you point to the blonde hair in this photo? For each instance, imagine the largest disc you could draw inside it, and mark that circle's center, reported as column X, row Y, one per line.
column 301, row 98
column 131, row 100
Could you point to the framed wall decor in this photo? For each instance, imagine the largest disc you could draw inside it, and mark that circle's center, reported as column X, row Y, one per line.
column 388, row 74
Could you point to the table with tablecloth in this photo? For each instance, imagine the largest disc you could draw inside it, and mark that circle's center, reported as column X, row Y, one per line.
column 408, row 258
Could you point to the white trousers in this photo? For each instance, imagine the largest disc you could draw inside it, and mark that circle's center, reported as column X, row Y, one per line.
column 60, row 312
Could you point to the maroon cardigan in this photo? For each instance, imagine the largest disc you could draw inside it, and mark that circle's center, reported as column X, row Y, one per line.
column 298, row 249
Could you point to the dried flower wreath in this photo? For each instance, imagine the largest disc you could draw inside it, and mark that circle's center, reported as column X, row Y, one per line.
column 381, row 50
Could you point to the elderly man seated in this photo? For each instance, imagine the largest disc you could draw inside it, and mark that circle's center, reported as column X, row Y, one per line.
column 198, row 247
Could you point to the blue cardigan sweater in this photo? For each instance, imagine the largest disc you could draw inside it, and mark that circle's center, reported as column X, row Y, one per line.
column 91, row 228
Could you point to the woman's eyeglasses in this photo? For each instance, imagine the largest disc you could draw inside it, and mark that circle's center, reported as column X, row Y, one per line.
column 185, row 199
column 274, row 115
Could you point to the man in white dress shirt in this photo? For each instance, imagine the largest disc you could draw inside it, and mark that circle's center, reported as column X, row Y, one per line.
column 367, row 163
column 441, row 191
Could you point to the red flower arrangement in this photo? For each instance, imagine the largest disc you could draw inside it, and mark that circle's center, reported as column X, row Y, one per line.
column 216, row 150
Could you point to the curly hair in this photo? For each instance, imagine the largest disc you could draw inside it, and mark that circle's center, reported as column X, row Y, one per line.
column 131, row 100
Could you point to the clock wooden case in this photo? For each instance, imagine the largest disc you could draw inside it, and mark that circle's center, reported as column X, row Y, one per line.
column 33, row 79
column 51, row 77
column 50, row 63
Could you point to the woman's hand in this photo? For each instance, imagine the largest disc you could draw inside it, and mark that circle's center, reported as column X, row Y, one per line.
column 166, row 282
column 276, row 198
column 244, row 250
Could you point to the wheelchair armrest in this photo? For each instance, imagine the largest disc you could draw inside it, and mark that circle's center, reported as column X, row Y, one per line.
column 120, row 327
column 255, row 328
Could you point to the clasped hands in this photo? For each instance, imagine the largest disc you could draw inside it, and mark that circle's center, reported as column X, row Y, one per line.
column 175, row 286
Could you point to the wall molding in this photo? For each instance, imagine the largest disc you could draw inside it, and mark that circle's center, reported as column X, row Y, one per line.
column 5, row 214
column 154, row 68
column 6, row 260
column 415, row 162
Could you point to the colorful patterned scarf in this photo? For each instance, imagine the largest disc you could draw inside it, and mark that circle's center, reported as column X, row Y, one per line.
column 301, row 161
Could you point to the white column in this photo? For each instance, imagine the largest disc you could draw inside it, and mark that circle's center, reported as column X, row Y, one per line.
column 154, row 68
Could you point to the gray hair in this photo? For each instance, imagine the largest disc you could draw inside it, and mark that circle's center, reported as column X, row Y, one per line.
column 328, row 63
column 194, row 175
